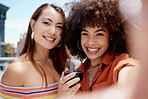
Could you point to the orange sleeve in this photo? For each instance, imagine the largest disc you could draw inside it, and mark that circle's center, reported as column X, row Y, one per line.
column 121, row 64
column 79, row 68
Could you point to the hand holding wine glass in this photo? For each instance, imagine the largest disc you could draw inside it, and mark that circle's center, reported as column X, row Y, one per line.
column 69, row 83
column 72, row 63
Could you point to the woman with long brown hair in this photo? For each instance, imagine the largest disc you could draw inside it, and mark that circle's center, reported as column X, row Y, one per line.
column 36, row 72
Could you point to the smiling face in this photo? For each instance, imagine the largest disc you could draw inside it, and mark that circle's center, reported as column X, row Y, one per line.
column 48, row 28
column 95, row 42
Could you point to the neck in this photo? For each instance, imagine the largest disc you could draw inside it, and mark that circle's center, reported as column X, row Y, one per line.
column 94, row 62
column 41, row 53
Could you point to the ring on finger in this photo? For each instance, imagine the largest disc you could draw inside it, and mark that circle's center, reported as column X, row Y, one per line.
column 64, row 86
column 72, row 90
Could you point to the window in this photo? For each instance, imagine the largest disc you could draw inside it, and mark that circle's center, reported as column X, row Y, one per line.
column 4, row 15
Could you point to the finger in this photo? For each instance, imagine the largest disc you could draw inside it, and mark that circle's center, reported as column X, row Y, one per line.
column 62, row 74
column 66, row 70
column 72, row 81
column 76, row 87
column 68, row 77
column 61, row 79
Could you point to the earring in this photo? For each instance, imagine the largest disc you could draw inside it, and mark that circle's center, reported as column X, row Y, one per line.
column 59, row 44
column 32, row 35
column 79, row 46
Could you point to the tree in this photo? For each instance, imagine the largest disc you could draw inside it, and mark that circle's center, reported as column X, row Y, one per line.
column 9, row 50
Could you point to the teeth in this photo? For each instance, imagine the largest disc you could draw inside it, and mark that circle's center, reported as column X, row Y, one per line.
column 49, row 38
column 92, row 50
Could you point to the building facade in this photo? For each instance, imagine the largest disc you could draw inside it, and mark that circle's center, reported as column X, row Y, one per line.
column 20, row 44
column 3, row 10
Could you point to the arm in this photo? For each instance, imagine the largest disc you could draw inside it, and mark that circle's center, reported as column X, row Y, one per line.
column 127, row 80
column 124, row 75
column 128, row 75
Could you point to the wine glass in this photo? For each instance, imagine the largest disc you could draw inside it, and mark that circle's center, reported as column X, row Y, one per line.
column 72, row 64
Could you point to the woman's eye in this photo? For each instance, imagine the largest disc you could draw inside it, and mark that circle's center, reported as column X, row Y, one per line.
column 99, row 34
column 85, row 34
column 60, row 27
column 46, row 23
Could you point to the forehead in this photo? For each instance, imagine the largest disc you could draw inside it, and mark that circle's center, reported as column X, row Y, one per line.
column 94, row 28
column 51, row 13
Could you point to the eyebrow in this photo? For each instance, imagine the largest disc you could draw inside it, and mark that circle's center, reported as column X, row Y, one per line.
column 95, row 31
column 60, row 23
column 51, row 20
column 48, row 19
column 100, row 30
column 84, row 30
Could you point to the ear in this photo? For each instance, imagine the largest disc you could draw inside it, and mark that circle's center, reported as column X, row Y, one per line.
column 32, row 24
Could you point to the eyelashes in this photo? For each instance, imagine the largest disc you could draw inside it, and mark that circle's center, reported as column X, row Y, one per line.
column 46, row 23
column 98, row 34
column 58, row 26
column 85, row 34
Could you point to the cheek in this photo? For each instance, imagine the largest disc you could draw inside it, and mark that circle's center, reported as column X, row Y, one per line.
column 83, row 41
column 38, row 30
column 59, row 35
column 59, row 38
column 104, row 42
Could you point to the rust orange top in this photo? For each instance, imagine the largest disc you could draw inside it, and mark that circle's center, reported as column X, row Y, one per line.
column 107, row 73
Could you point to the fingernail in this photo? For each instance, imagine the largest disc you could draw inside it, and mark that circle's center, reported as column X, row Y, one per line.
column 73, row 73
column 78, row 78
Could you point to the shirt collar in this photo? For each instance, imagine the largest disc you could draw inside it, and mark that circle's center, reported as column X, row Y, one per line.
column 106, row 60
column 108, row 57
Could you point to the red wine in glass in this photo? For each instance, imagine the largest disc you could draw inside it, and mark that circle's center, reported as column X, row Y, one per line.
column 77, row 74
column 71, row 67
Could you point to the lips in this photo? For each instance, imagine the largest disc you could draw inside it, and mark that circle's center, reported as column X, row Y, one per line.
column 93, row 50
column 51, row 39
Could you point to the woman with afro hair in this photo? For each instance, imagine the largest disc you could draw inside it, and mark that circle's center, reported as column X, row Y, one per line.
column 96, row 32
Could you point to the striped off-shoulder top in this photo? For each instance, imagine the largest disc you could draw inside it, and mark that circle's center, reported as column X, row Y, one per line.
column 37, row 92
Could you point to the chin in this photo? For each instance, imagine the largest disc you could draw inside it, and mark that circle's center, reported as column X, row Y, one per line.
column 49, row 47
column 92, row 58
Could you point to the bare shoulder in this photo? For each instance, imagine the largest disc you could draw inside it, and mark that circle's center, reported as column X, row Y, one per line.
column 14, row 74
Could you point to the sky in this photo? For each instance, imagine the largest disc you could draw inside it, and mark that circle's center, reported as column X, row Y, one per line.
column 19, row 14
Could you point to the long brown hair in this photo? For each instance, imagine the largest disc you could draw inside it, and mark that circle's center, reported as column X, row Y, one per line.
column 58, row 55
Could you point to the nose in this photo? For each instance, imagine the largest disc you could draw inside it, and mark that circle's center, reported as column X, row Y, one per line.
column 52, row 30
column 91, row 41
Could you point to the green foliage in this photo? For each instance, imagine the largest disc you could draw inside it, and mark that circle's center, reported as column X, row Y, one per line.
column 9, row 50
